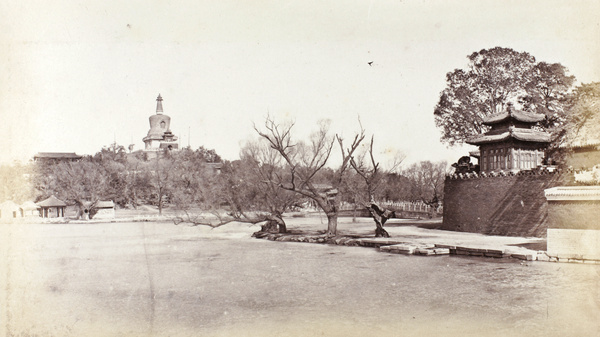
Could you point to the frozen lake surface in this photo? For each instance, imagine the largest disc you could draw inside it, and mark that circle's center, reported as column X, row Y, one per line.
column 157, row 279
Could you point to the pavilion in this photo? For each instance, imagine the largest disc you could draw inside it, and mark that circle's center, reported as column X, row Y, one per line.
column 52, row 207
column 512, row 143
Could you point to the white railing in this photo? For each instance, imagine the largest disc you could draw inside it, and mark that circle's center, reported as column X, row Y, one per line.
column 407, row 206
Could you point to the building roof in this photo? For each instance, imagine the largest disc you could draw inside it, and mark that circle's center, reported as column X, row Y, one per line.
column 475, row 153
column 105, row 204
column 573, row 193
column 52, row 202
column 9, row 204
column 584, row 143
column 216, row 166
column 100, row 204
column 29, row 205
column 521, row 116
column 525, row 135
column 57, row 155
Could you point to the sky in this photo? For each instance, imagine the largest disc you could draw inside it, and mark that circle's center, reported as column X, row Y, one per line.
column 78, row 75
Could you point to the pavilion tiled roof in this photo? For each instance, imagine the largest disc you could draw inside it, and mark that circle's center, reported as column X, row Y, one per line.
column 522, row 116
column 525, row 135
column 52, row 202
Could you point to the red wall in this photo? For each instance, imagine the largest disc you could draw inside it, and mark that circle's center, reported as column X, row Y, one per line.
column 504, row 205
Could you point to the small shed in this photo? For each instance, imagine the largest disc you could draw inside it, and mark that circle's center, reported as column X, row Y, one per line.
column 101, row 210
column 52, row 207
column 9, row 210
column 29, row 209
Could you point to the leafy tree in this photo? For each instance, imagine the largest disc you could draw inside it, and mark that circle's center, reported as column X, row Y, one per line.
column 112, row 153
column 208, row 155
column 494, row 78
column 584, row 119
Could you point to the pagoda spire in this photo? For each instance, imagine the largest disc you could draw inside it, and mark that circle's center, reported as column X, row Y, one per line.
column 159, row 108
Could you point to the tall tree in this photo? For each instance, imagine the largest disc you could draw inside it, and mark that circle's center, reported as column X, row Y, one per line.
column 494, row 78
column 305, row 161
column 160, row 170
column 427, row 181
column 373, row 178
column 259, row 170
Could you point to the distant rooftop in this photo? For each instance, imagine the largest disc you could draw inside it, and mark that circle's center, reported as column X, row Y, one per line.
column 57, row 155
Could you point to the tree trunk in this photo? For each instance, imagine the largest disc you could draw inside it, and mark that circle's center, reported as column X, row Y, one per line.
column 282, row 226
column 380, row 216
column 159, row 204
column 332, row 224
column 274, row 224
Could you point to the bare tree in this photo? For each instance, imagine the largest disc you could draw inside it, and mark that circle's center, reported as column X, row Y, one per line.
column 160, row 170
column 259, row 169
column 373, row 177
column 427, row 181
column 305, row 161
column 82, row 183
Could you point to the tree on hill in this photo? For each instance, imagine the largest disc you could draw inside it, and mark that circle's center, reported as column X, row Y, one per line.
column 190, row 183
column 306, row 161
column 494, row 78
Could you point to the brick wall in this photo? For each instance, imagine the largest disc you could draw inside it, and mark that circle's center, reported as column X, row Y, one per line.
column 512, row 205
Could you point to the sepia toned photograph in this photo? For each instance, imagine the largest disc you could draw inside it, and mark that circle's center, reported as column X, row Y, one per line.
column 299, row 168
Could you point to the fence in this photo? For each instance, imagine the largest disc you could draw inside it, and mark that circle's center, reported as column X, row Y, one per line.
column 402, row 206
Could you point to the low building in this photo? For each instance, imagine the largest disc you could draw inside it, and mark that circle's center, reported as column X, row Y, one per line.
column 9, row 210
column 101, row 210
column 56, row 156
column 30, row 210
column 52, row 208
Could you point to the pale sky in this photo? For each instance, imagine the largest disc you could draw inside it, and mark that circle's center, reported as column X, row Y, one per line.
column 76, row 75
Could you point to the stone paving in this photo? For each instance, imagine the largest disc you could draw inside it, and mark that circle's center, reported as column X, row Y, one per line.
column 420, row 237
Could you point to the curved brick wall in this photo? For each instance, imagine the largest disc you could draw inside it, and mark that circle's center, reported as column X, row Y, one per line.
column 511, row 205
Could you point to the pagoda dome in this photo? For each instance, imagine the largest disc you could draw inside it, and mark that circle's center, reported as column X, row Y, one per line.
column 160, row 134
column 159, row 124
